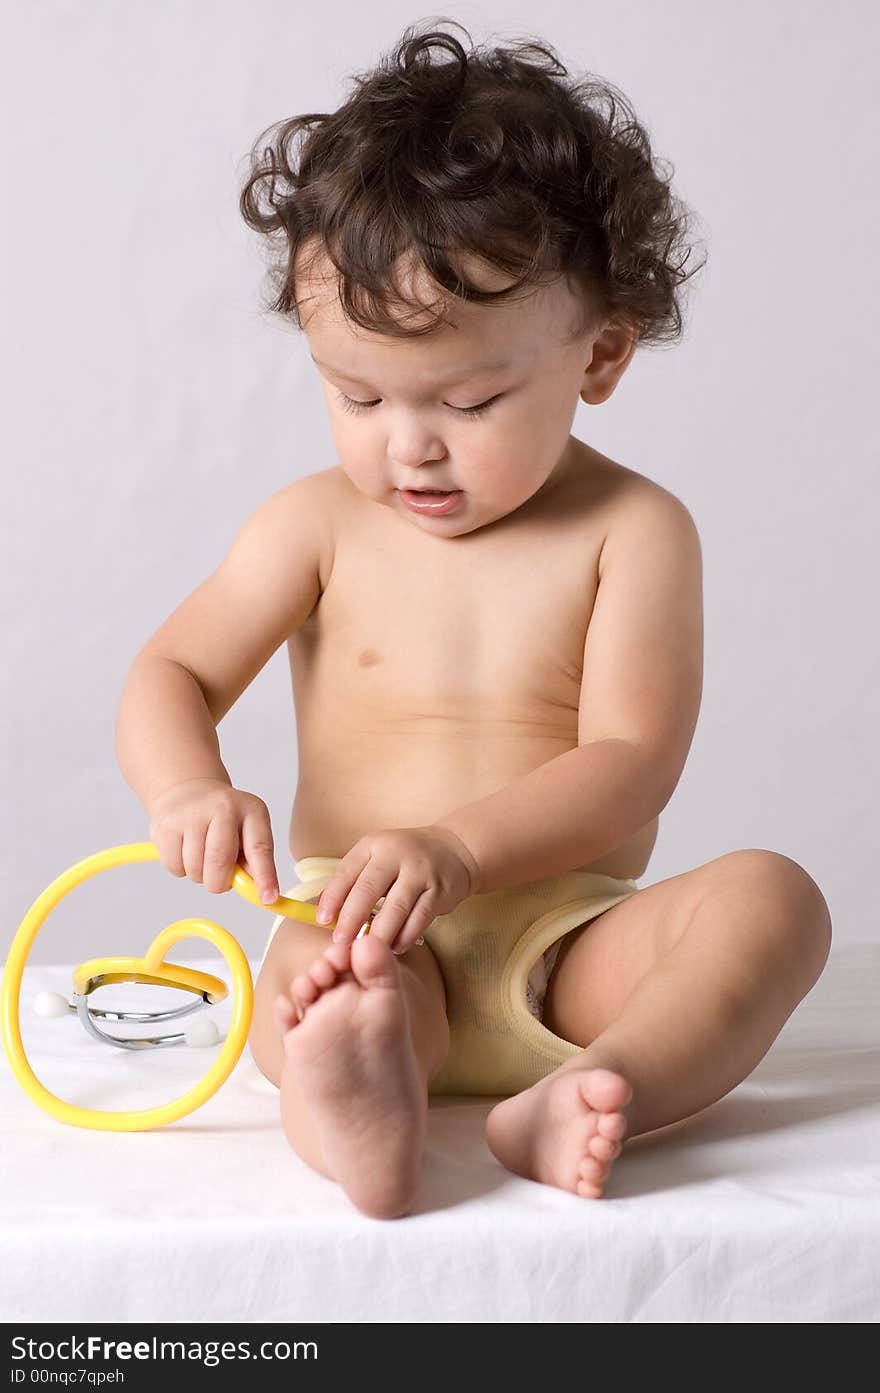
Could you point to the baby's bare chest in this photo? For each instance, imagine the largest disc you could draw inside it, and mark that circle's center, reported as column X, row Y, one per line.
column 444, row 638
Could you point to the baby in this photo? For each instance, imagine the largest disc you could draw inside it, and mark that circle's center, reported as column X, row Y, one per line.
column 495, row 640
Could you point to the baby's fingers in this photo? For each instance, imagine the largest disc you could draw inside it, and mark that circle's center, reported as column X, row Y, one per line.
column 258, row 846
column 400, row 948
column 219, row 852
column 412, row 931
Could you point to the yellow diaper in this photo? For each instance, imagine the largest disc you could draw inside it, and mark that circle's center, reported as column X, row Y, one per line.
column 488, row 949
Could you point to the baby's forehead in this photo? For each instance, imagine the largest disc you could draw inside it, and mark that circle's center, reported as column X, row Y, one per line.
column 443, row 357
column 515, row 328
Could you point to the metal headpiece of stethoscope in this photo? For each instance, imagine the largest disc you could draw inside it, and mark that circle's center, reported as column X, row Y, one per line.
column 152, row 969
column 90, row 1014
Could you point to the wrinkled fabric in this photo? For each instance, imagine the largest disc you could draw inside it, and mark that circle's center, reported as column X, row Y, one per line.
column 765, row 1207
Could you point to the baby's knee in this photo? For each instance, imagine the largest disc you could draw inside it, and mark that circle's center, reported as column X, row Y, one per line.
column 264, row 1035
column 293, row 949
column 780, row 895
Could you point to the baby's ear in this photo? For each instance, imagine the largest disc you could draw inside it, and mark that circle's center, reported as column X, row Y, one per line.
column 613, row 349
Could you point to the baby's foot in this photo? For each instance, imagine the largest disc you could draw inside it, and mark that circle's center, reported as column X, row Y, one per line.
column 565, row 1130
column 346, row 1034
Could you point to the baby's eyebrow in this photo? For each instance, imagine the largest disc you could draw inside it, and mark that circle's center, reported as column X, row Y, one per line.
column 459, row 376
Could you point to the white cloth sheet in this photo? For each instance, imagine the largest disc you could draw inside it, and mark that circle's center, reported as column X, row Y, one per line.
column 764, row 1208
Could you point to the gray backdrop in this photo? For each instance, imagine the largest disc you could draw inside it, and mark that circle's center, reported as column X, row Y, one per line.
column 150, row 406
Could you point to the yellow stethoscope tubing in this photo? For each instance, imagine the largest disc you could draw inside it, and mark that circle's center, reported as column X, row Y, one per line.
column 153, row 963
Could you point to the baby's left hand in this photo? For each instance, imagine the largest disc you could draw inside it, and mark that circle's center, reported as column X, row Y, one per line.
column 421, row 871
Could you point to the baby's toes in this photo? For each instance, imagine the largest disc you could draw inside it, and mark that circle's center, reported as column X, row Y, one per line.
column 323, row 972
column 339, row 954
column 612, row 1125
column 304, row 990
column 590, row 1189
column 593, row 1170
column 286, row 1014
column 603, row 1148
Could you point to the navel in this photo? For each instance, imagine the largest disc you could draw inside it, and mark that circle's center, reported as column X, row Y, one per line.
column 368, row 657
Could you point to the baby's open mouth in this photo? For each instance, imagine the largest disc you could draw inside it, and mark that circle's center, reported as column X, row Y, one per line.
column 432, row 501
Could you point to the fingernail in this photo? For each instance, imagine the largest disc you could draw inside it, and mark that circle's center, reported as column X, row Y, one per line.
column 323, row 916
column 270, row 896
column 338, row 936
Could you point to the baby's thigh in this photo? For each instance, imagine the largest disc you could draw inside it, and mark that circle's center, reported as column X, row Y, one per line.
column 601, row 962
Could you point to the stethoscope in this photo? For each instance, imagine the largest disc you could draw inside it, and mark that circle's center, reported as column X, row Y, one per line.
column 152, row 969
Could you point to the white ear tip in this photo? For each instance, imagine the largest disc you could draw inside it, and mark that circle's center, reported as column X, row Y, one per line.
column 201, row 1034
column 50, row 1004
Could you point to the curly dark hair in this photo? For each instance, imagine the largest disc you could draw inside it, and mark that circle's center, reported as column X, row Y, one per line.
column 491, row 154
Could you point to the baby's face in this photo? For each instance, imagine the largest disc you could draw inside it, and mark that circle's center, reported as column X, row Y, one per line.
column 401, row 410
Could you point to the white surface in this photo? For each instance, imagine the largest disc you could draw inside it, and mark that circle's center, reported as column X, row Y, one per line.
column 765, row 1208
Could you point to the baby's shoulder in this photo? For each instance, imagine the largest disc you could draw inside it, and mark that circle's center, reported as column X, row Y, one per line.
column 646, row 529
column 299, row 518
column 625, row 498
column 620, row 484
column 328, row 491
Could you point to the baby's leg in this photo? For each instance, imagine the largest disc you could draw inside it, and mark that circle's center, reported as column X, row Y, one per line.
column 352, row 1035
column 676, row 994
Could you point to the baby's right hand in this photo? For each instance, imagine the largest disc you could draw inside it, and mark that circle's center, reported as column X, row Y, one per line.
column 204, row 827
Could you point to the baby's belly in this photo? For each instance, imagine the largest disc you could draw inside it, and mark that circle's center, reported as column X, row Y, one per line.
column 355, row 781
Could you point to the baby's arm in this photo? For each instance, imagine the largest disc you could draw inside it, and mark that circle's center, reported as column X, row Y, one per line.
column 639, row 702
column 199, row 661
